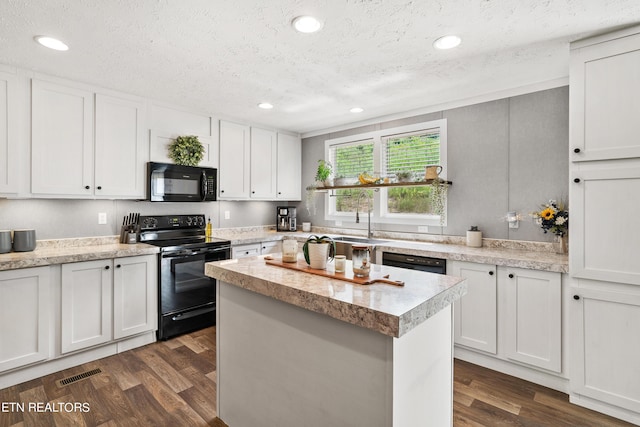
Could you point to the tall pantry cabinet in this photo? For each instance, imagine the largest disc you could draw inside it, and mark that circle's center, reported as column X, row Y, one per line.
column 604, row 196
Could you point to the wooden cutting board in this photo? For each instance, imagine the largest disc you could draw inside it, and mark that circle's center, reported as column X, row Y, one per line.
column 347, row 276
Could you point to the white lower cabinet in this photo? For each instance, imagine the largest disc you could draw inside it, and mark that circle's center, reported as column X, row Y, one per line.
column 605, row 318
column 87, row 306
column 273, row 247
column 135, row 295
column 531, row 316
column 24, row 317
column 511, row 314
column 475, row 314
column 253, row 249
column 106, row 300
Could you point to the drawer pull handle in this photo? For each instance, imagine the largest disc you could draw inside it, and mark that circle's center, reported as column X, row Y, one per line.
column 576, row 297
column 576, row 180
column 576, row 150
column 510, row 276
column 491, row 273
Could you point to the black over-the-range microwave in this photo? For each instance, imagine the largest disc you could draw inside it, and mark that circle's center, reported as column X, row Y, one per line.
column 177, row 183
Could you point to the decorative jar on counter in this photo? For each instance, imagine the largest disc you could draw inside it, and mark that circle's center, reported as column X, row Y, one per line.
column 361, row 262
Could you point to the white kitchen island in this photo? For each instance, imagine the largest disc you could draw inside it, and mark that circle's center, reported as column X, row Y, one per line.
column 298, row 349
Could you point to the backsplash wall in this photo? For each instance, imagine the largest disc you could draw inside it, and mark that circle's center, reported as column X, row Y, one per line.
column 58, row 219
column 506, row 155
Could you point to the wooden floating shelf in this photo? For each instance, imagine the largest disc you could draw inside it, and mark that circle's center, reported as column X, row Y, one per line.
column 392, row 184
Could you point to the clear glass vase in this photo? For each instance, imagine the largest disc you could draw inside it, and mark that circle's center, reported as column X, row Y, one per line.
column 562, row 244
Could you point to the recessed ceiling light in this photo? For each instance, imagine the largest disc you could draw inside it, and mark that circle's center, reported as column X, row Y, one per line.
column 306, row 24
column 51, row 43
column 265, row 106
column 357, row 110
column 447, row 42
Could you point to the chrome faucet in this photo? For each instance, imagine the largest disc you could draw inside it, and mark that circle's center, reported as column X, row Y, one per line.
column 363, row 193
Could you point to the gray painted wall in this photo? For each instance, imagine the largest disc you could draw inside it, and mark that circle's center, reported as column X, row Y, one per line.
column 58, row 219
column 504, row 155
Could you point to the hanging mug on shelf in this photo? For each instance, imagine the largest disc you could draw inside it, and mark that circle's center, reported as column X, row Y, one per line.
column 432, row 172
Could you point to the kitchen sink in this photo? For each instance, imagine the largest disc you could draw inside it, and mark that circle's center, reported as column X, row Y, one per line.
column 363, row 240
column 344, row 245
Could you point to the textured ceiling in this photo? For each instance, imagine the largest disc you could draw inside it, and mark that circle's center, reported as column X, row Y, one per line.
column 224, row 57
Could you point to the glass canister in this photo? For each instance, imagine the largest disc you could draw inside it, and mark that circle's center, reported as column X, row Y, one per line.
column 361, row 261
column 289, row 250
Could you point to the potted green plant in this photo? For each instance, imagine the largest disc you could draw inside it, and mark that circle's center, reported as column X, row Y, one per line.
column 317, row 250
column 404, row 176
column 324, row 172
column 186, row 150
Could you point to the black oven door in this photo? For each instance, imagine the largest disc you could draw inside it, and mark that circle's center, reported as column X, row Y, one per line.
column 187, row 297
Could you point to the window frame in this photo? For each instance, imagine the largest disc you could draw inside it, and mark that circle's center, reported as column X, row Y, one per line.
column 379, row 213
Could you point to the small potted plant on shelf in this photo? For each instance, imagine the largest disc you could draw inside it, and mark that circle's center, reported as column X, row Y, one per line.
column 318, row 250
column 324, row 172
column 404, row 176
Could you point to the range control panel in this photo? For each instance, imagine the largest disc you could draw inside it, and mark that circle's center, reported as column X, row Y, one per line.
column 170, row 222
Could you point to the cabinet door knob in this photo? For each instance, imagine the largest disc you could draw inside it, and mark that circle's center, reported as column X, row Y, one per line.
column 86, row 187
column 99, row 187
column 118, row 266
column 576, row 150
column 222, row 191
column 510, row 276
column 491, row 273
column 576, row 180
column 107, row 267
column 576, row 297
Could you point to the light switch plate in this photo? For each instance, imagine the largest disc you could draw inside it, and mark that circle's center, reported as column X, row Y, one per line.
column 227, row 215
column 102, row 218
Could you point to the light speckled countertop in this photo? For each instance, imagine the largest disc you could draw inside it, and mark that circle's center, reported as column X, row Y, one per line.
column 388, row 309
column 510, row 253
column 62, row 251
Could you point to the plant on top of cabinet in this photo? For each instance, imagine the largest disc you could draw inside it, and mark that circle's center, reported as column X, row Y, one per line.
column 186, row 150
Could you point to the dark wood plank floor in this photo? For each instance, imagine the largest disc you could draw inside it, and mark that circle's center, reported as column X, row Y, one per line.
column 173, row 383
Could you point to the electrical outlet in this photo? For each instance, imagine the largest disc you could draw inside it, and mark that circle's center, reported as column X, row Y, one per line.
column 338, row 223
column 227, row 215
column 423, row 229
column 102, row 218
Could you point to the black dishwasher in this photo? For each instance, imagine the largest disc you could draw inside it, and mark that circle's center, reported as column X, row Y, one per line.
column 412, row 262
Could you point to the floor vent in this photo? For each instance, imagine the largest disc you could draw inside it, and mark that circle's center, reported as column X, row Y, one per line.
column 74, row 379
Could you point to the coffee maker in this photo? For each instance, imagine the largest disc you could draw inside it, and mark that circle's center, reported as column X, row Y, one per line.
column 286, row 218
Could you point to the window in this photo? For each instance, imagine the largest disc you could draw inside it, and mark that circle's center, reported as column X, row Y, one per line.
column 398, row 154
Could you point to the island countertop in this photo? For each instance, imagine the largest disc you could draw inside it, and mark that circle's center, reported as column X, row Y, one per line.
column 387, row 309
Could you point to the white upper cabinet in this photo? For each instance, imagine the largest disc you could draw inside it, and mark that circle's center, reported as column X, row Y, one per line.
column 62, row 140
column 68, row 161
column 263, row 164
column 234, row 172
column 120, row 156
column 605, row 99
column 289, row 168
column 8, row 133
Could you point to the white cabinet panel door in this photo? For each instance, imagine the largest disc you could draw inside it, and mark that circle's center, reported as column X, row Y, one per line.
column 289, row 168
column 531, row 315
column 606, row 351
column 604, row 245
column 24, row 317
column 263, row 164
column 120, row 152
column 9, row 161
column 86, row 304
column 243, row 251
column 61, row 140
column 475, row 314
column 135, row 284
column 234, row 170
column 605, row 100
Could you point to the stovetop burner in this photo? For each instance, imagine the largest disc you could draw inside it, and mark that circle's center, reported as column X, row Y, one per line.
column 177, row 232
